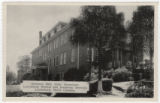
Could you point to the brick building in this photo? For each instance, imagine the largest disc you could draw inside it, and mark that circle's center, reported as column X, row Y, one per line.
column 55, row 54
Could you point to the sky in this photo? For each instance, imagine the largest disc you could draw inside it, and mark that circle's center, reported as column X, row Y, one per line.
column 25, row 22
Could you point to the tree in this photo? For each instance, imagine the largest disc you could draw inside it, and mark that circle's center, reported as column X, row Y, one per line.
column 24, row 63
column 98, row 26
column 10, row 76
column 141, row 28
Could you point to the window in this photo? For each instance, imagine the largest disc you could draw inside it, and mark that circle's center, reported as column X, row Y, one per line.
column 35, row 55
column 49, row 35
column 55, row 30
column 64, row 58
column 61, row 59
column 72, row 32
column 44, row 39
column 58, row 42
column 57, row 62
column 65, row 38
column 58, row 28
column 40, row 42
column 54, row 44
column 43, row 56
column 62, row 39
column 39, row 53
column 48, row 47
column 73, row 55
column 92, row 54
column 52, row 33
column 54, row 61
column 88, row 54
column 87, row 51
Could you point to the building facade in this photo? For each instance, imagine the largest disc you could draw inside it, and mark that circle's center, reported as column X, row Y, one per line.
column 55, row 54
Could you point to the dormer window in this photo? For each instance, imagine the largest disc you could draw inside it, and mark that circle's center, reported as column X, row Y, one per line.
column 40, row 42
column 52, row 33
column 49, row 35
column 55, row 30
column 44, row 39
column 58, row 28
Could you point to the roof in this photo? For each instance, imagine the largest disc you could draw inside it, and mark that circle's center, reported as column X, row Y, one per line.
column 66, row 26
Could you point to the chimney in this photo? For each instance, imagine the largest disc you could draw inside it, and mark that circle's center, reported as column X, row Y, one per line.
column 40, row 37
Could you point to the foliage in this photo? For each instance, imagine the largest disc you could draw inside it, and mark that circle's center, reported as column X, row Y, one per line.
column 15, row 94
column 138, row 93
column 71, row 75
column 148, row 74
column 141, row 29
column 144, row 71
column 35, row 95
column 22, row 94
column 143, row 19
column 28, row 76
column 10, row 76
column 148, row 71
column 74, row 74
column 129, row 65
column 121, row 75
column 98, row 25
column 138, row 90
column 24, row 63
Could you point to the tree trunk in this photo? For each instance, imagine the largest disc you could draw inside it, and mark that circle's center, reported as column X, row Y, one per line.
column 151, row 56
column 90, row 67
column 151, row 51
column 100, row 85
column 100, row 63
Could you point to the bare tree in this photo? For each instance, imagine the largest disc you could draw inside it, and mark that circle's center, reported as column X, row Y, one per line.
column 24, row 63
column 10, row 76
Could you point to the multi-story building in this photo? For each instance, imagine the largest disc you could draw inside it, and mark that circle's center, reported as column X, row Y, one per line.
column 55, row 54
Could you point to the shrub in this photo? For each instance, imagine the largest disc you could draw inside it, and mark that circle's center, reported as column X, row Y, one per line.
column 75, row 74
column 147, row 92
column 71, row 75
column 141, row 93
column 28, row 76
column 148, row 74
column 121, row 74
column 139, row 90
column 15, row 94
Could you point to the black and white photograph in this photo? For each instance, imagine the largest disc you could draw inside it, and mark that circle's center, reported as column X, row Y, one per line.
column 80, row 50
